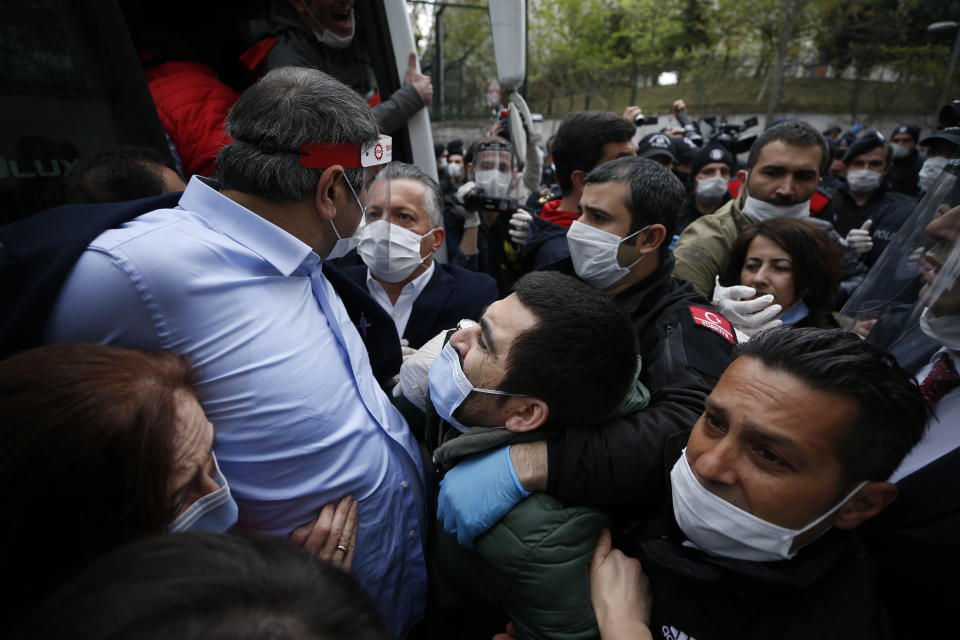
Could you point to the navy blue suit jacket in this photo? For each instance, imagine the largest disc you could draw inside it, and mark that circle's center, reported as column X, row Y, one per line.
column 452, row 294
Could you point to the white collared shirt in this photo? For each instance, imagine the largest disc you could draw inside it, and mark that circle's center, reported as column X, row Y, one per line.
column 942, row 434
column 400, row 312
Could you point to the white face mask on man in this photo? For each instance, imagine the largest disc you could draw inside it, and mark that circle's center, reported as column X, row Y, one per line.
column 863, row 180
column 595, row 254
column 930, row 171
column 343, row 246
column 391, row 252
column 720, row 528
column 495, row 184
column 758, row 210
column 711, row 190
column 327, row 37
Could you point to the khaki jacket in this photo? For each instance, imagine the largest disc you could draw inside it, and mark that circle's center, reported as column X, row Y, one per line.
column 704, row 248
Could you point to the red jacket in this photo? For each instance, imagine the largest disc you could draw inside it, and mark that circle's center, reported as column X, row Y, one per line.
column 192, row 104
column 551, row 212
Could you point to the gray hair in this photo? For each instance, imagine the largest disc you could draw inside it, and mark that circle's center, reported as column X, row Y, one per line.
column 433, row 202
column 287, row 108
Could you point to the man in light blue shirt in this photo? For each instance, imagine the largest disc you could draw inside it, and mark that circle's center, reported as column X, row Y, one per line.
column 233, row 278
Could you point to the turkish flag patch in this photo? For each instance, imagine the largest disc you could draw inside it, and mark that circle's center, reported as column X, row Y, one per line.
column 714, row 321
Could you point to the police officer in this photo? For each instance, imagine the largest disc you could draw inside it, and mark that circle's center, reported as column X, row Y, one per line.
column 711, row 169
column 864, row 212
column 659, row 148
column 906, row 160
column 941, row 146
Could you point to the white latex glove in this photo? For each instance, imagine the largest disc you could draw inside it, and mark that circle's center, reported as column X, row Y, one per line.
column 406, row 349
column 749, row 316
column 859, row 240
column 463, row 190
column 520, row 227
column 470, row 218
column 414, row 376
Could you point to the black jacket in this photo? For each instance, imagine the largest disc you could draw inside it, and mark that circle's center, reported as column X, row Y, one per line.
column 828, row 590
column 887, row 209
column 681, row 362
column 904, row 173
column 497, row 255
column 689, row 212
column 914, row 541
column 451, row 295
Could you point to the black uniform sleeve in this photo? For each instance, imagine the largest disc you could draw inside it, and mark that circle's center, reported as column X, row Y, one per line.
column 621, row 461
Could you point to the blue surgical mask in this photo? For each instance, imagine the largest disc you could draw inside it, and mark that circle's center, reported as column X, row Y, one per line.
column 213, row 513
column 449, row 386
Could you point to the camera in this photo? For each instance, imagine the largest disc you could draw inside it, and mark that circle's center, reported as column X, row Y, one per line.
column 729, row 134
column 690, row 129
column 640, row 120
column 476, row 200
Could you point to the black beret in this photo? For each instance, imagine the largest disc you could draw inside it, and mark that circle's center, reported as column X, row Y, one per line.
column 911, row 130
column 864, row 144
column 713, row 152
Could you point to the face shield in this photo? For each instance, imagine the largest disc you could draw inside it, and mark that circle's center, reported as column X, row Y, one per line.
column 495, row 171
column 917, row 274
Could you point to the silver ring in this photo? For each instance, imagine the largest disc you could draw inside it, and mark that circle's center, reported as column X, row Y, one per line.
column 342, row 547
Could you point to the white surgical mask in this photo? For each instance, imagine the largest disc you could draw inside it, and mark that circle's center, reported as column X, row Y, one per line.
column 449, row 386
column 454, row 170
column 495, row 184
column 758, row 210
column 945, row 329
column 930, row 171
column 343, row 246
column 332, row 40
column 718, row 527
column 711, row 190
column 329, row 38
column 213, row 513
column 594, row 254
column 899, row 151
column 863, row 180
column 391, row 252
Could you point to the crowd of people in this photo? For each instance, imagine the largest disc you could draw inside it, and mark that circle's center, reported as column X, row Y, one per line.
column 660, row 386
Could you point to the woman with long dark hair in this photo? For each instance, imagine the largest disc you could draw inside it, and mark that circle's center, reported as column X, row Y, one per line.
column 795, row 262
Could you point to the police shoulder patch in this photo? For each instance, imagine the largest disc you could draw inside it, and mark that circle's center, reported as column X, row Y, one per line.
column 714, row 321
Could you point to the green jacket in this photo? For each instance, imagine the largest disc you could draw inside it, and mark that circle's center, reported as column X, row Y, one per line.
column 704, row 248
column 531, row 568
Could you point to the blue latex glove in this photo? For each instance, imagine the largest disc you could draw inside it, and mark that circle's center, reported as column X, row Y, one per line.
column 477, row 493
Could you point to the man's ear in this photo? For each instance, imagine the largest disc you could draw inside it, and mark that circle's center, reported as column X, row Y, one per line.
column 652, row 238
column 872, row 498
column 577, row 178
column 439, row 234
column 325, row 197
column 525, row 414
column 468, row 171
